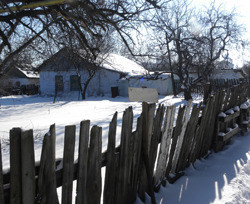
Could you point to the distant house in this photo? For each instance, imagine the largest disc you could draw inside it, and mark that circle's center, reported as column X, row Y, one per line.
column 228, row 74
column 225, row 64
column 59, row 73
column 19, row 79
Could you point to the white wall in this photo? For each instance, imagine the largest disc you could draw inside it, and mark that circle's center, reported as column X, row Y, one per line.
column 100, row 84
column 164, row 86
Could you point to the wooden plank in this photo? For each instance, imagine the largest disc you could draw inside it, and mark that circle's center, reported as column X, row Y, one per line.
column 203, row 132
column 228, row 135
column 229, row 117
column 28, row 167
column 226, row 99
column 111, row 166
column 146, row 179
column 52, row 132
column 156, row 136
column 81, row 197
column 165, row 145
column 189, row 138
column 47, row 177
column 94, row 178
column 68, row 164
column 209, row 124
column 181, row 136
column 198, row 137
column 15, row 166
column 137, row 135
column 150, row 122
column 126, row 156
column 176, row 133
column 1, row 177
column 211, row 128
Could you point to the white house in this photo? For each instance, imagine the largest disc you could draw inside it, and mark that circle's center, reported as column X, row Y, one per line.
column 59, row 73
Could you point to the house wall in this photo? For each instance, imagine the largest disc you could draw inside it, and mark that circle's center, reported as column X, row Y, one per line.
column 100, row 84
column 164, row 86
column 10, row 82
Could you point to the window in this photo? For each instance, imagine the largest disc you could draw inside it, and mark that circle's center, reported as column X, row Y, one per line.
column 74, row 84
column 18, row 84
column 59, row 83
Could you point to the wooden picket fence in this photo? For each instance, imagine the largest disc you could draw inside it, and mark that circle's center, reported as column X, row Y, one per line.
column 218, row 85
column 155, row 153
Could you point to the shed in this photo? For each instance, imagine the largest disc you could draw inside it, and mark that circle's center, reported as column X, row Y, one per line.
column 19, row 76
column 156, row 80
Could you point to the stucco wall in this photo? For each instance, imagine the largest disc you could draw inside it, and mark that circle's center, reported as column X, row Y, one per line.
column 100, row 84
column 164, row 86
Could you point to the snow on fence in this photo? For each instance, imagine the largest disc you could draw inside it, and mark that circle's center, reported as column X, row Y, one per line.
column 155, row 153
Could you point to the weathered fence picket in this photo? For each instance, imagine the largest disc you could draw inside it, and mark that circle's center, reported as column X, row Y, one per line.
column 183, row 161
column 68, row 164
column 82, row 163
column 143, row 160
column 28, row 167
column 109, row 194
column 181, row 137
column 15, row 166
column 94, row 177
column 164, row 146
column 47, row 178
column 126, row 156
column 176, row 133
column 155, row 139
column 1, row 177
column 136, row 162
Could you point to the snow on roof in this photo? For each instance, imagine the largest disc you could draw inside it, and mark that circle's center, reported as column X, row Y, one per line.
column 119, row 63
column 29, row 74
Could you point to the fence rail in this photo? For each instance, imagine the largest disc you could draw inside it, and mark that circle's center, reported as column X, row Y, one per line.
column 133, row 168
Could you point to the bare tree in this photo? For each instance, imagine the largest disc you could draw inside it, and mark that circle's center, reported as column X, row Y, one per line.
column 219, row 31
column 191, row 41
column 21, row 22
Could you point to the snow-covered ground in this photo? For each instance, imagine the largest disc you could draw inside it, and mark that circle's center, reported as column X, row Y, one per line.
column 221, row 178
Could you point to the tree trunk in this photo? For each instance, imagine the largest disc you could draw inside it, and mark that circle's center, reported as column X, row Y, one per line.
column 173, row 84
column 187, row 94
